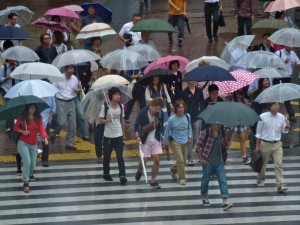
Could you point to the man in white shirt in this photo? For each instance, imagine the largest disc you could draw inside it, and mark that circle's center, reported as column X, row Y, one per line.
column 126, row 29
column 5, row 79
column 268, row 142
column 12, row 20
column 212, row 8
column 65, row 106
column 236, row 55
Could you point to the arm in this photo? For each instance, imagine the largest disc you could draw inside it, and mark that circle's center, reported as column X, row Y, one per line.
column 173, row 5
column 102, row 115
column 221, row 4
column 17, row 126
column 167, row 94
column 137, row 125
column 235, row 6
column 184, row 8
column 65, row 36
column 285, row 126
column 147, row 95
column 2, row 77
column 167, row 132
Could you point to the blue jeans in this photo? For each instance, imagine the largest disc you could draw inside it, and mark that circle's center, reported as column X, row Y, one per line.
column 178, row 21
column 221, row 175
column 244, row 20
column 80, row 121
column 196, row 128
column 28, row 153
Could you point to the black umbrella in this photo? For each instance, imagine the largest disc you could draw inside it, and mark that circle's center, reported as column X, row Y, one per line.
column 186, row 20
column 163, row 74
column 13, row 33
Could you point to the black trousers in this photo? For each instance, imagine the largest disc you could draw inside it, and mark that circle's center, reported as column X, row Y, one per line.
column 211, row 10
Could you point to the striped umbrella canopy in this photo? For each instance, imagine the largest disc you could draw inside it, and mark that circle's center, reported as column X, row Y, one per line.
column 95, row 30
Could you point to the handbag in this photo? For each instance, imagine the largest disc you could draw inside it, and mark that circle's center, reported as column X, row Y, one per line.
column 15, row 136
column 256, row 161
column 221, row 20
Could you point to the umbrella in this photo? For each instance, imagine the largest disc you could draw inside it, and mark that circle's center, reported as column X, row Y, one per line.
column 271, row 26
column 38, row 88
column 163, row 63
column 229, row 114
column 242, row 42
column 213, row 61
column 141, row 154
column 102, row 82
column 243, row 78
column 279, row 93
column 279, row 5
column 95, row 30
column 286, row 36
column 123, row 59
column 21, row 54
column 24, row 14
column 37, row 70
column 186, row 20
column 75, row 8
column 260, row 59
column 74, row 57
column 13, row 33
column 270, row 72
column 62, row 12
column 101, row 10
column 163, row 74
column 46, row 24
column 149, row 53
column 208, row 73
column 15, row 106
column 153, row 26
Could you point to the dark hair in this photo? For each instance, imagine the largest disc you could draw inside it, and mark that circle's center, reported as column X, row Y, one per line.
column 112, row 92
column 279, row 14
column 136, row 15
column 69, row 67
column 11, row 15
column 260, row 83
column 178, row 103
column 36, row 115
column 95, row 38
column 55, row 17
column 59, row 37
column 266, row 34
column 46, row 80
column 171, row 63
column 213, row 87
column 42, row 36
column 7, row 44
column 270, row 104
column 157, row 102
column 151, row 87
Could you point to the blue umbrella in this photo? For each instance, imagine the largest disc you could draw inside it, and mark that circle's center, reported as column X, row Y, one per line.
column 101, row 10
column 13, row 33
column 208, row 73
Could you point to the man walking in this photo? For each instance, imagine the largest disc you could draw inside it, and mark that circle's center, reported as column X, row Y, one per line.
column 46, row 51
column 12, row 20
column 244, row 10
column 126, row 35
column 212, row 8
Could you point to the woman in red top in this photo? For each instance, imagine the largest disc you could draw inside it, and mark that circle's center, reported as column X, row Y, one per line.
column 29, row 124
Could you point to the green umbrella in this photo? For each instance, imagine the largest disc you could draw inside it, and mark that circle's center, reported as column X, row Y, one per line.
column 15, row 106
column 229, row 114
column 153, row 26
column 271, row 26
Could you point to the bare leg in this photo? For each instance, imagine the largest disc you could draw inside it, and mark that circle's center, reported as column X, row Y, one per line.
column 155, row 167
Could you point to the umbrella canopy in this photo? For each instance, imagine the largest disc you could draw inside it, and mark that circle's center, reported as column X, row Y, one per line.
column 46, row 24
column 38, row 88
column 286, row 36
column 269, row 72
column 101, row 11
column 95, row 30
column 242, row 42
column 279, row 5
column 153, row 26
column 21, row 54
column 243, row 78
column 62, row 12
column 123, row 59
column 163, row 63
column 13, row 33
column 105, row 81
column 229, row 114
column 149, row 53
column 260, row 59
column 213, row 61
column 14, row 107
column 24, row 14
column 270, row 26
column 279, row 93
column 74, row 56
column 208, row 73
column 37, row 70
column 75, row 8
column 163, row 74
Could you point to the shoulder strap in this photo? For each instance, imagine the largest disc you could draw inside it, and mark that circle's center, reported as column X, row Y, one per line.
column 105, row 109
column 280, row 53
column 121, row 108
column 5, row 69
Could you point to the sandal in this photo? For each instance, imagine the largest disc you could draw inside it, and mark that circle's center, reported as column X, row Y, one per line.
column 26, row 188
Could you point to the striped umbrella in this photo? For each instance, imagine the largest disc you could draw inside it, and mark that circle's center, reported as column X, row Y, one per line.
column 95, row 30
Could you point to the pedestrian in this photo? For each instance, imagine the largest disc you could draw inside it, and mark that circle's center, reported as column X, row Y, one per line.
column 177, row 12
column 51, row 32
column 244, row 10
column 57, row 40
column 145, row 39
column 175, row 87
column 213, row 96
column 268, row 142
column 96, row 46
column 265, row 45
column 178, row 135
column 112, row 116
column 149, row 130
column 212, row 8
column 12, row 20
column 211, row 149
column 46, row 51
column 126, row 35
column 29, row 124
column 5, row 79
column 193, row 97
column 236, row 54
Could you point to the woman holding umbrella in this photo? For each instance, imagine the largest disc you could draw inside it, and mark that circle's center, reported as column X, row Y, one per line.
column 175, row 87
column 29, row 124
column 58, row 42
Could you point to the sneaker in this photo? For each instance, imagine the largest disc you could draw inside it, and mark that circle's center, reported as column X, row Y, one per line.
column 155, row 185
column 45, row 164
column 138, row 176
column 216, row 39
column 107, row 177
column 180, row 42
column 182, row 182
column 127, row 122
column 123, row 180
column 227, row 206
column 32, row 178
column 210, row 40
column 174, row 176
column 260, row 183
column 19, row 172
column 246, row 160
column 282, row 188
column 99, row 160
column 191, row 162
column 205, row 202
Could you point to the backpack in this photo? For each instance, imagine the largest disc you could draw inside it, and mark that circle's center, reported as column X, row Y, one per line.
column 105, row 115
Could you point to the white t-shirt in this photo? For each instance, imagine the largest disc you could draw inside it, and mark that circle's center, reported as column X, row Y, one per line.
column 151, row 134
column 136, row 36
column 112, row 129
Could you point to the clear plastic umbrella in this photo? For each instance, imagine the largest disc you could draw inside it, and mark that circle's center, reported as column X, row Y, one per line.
column 286, row 36
column 279, row 93
column 213, row 61
column 269, row 72
column 21, row 54
column 24, row 14
column 149, row 53
column 260, row 59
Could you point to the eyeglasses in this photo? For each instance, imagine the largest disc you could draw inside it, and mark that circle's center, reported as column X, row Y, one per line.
column 46, row 38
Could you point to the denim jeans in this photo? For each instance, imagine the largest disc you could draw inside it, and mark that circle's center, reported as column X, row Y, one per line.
column 176, row 20
column 108, row 145
column 244, row 20
column 98, row 139
column 28, row 153
column 80, row 121
column 221, row 176
column 196, row 127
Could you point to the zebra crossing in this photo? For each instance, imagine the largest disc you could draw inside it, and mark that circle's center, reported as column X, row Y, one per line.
column 75, row 193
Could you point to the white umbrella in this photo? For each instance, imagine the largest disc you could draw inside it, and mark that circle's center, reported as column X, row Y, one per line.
column 213, row 61
column 38, row 88
column 24, row 14
column 74, row 57
column 149, row 53
column 75, row 8
column 21, row 54
column 141, row 154
column 269, row 72
column 95, row 30
column 37, row 70
column 103, row 82
column 286, row 36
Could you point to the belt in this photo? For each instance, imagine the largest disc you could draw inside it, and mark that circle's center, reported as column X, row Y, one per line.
column 65, row 100
column 270, row 142
column 211, row 3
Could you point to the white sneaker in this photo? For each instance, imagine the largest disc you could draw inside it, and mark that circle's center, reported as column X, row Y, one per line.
column 182, row 182
column 282, row 188
column 191, row 162
column 260, row 183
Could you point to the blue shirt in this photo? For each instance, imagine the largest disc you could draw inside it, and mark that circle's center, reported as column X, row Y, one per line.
column 45, row 114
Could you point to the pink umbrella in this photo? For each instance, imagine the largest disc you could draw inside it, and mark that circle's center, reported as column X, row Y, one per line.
column 279, row 5
column 46, row 24
column 163, row 63
column 243, row 78
column 75, row 8
column 66, row 13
